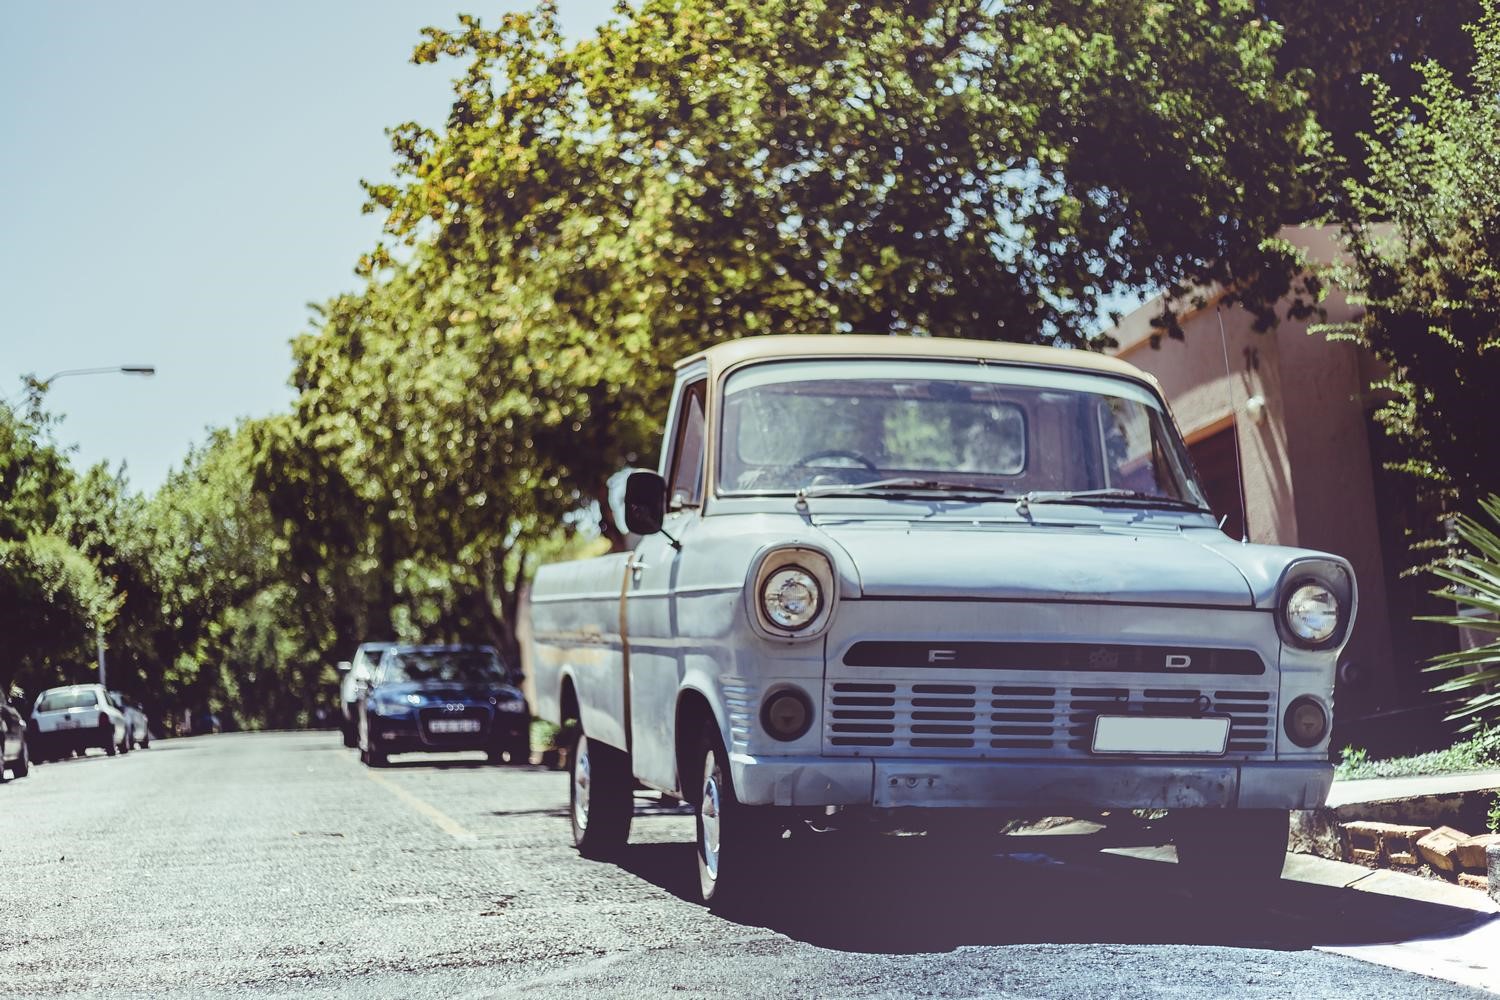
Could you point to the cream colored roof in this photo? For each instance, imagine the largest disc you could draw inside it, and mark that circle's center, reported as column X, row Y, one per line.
column 732, row 353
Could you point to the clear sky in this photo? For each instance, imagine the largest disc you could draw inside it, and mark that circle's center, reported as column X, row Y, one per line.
column 178, row 180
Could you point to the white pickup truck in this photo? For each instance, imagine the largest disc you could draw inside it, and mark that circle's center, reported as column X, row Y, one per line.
column 894, row 577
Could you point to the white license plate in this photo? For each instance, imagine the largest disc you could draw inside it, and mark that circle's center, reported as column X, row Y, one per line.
column 453, row 726
column 67, row 722
column 1158, row 734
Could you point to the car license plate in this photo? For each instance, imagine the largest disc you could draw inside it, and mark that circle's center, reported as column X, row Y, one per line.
column 68, row 722
column 1157, row 734
column 453, row 726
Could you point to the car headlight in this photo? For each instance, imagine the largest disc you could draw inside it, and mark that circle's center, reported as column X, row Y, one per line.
column 416, row 699
column 509, row 704
column 791, row 598
column 1311, row 613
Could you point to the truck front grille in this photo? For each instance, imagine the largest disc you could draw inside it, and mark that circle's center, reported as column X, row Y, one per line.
column 935, row 719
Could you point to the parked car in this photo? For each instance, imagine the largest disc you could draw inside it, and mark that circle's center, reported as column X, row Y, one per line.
column 443, row 698
column 138, row 731
column 928, row 577
column 356, row 678
column 15, row 751
column 69, row 720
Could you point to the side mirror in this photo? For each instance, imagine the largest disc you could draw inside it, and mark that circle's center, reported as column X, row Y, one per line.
column 345, row 666
column 645, row 502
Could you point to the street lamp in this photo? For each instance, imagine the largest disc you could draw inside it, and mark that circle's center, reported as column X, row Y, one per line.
column 36, row 386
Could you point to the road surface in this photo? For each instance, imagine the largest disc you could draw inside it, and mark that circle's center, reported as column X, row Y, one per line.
column 270, row 865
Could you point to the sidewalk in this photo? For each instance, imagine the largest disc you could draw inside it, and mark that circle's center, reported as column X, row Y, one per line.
column 1367, row 790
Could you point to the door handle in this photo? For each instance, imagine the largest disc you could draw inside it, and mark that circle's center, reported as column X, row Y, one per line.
column 636, row 570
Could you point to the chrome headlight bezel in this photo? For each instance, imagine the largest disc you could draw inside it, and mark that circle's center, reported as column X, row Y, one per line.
column 816, row 566
column 1337, row 584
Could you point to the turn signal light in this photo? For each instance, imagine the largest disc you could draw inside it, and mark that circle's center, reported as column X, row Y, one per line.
column 786, row 714
column 1306, row 722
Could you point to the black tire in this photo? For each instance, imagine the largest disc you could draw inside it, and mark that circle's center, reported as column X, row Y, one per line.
column 730, row 838
column 601, row 799
column 1242, row 847
column 22, row 766
column 519, row 749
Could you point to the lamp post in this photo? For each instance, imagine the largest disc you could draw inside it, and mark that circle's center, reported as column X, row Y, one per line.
column 34, row 388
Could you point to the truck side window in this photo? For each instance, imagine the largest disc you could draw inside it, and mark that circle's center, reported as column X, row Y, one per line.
column 685, row 484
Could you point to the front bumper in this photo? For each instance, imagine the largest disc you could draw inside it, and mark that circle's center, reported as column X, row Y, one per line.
column 1030, row 786
column 403, row 734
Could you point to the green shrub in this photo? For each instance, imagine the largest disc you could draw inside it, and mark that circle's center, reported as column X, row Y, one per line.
column 1474, row 585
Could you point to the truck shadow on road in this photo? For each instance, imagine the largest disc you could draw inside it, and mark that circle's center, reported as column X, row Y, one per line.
column 910, row 898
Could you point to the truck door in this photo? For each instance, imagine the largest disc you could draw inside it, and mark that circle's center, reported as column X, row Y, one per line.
column 654, row 633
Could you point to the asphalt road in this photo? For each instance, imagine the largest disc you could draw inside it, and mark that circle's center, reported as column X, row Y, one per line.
column 276, row 865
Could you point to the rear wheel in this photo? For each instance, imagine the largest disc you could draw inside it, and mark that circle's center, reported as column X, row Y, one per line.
column 600, row 798
column 1245, row 847
column 23, row 765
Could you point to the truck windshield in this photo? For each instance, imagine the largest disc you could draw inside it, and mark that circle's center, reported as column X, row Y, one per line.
column 828, row 424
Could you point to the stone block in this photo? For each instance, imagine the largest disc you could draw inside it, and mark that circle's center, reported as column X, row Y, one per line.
column 1471, row 852
column 1440, row 848
column 1492, row 854
column 1471, row 881
column 1391, row 843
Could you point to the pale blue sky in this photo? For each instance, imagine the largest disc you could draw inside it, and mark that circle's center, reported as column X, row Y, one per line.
column 178, row 181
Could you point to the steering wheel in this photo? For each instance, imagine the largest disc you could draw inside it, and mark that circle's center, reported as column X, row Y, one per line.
column 852, row 456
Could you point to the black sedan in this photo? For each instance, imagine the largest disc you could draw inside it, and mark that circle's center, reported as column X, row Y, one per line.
column 435, row 699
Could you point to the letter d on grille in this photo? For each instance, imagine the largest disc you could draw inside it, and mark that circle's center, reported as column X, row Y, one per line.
column 1177, row 661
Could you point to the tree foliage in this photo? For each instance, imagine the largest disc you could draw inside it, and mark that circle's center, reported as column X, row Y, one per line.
column 1424, row 235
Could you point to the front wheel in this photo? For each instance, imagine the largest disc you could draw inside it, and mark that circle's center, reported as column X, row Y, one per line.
column 600, row 798
column 731, row 836
column 1246, row 847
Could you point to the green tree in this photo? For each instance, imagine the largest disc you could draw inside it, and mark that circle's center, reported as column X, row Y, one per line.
column 1424, row 237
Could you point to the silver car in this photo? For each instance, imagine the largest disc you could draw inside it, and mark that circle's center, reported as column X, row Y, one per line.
column 72, row 720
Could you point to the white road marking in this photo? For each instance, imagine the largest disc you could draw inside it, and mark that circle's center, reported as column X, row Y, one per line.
column 440, row 819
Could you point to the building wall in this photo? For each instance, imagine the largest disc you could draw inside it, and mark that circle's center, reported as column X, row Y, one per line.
column 1308, row 474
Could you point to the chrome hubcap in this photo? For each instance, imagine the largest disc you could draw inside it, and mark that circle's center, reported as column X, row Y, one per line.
column 581, row 783
column 709, row 822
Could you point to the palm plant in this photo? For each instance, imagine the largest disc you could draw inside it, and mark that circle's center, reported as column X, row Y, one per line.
column 1474, row 585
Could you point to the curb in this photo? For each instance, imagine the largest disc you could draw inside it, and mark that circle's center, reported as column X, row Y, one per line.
column 1402, row 834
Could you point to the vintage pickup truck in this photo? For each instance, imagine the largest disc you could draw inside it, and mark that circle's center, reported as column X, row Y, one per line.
column 898, row 576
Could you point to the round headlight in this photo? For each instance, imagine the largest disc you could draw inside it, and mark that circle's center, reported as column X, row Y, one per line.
column 791, row 598
column 1312, row 613
column 786, row 715
column 1306, row 722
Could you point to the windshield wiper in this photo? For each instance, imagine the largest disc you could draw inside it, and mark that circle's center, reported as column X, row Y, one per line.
column 900, row 485
column 1134, row 497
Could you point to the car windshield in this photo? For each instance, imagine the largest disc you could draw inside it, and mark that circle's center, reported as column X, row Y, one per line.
column 463, row 666
column 61, row 701
column 846, row 425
